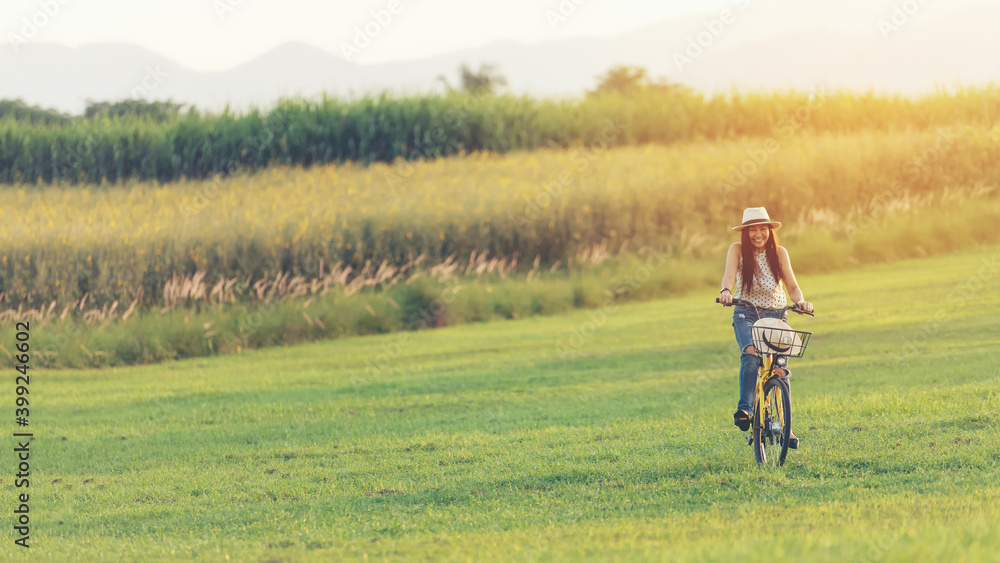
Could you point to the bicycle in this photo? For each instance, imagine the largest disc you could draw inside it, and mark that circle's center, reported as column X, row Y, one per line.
column 771, row 417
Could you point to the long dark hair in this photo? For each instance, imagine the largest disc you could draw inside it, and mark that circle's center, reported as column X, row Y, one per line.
column 750, row 264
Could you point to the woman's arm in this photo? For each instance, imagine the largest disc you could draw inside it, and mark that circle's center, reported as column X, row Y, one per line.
column 729, row 278
column 788, row 276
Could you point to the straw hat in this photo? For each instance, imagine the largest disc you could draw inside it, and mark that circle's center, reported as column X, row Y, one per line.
column 756, row 216
column 777, row 341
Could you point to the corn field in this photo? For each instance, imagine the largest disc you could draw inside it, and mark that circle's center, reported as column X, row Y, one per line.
column 327, row 225
column 386, row 128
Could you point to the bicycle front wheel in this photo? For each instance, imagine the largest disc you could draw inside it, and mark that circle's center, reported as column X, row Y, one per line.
column 772, row 425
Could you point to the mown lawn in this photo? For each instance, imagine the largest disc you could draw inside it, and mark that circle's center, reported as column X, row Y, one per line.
column 480, row 442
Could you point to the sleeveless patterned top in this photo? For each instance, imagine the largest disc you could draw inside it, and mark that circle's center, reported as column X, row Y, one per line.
column 766, row 291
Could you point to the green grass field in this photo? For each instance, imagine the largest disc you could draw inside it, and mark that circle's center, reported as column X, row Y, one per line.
column 479, row 442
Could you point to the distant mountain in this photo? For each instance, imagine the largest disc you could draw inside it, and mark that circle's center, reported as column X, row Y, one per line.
column 753, row 53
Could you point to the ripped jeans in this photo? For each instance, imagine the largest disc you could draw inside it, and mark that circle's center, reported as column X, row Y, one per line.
column 743, row 318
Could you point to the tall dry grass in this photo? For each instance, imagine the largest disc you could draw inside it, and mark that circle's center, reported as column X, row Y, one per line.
column 132, row 242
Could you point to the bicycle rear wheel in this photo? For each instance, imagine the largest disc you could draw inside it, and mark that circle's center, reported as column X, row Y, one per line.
column 772, row 424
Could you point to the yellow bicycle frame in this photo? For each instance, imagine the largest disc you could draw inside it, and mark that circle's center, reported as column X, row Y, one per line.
column 765, row 374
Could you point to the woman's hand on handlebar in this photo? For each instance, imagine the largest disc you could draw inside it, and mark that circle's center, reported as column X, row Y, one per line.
column 725, row 298
column 732, row 302
column 805, row 306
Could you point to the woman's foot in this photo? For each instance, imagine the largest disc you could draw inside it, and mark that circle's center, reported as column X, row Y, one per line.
column 793, row 442
column 741, row 419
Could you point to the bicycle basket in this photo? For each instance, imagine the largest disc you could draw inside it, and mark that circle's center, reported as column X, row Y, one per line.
column 771, row 336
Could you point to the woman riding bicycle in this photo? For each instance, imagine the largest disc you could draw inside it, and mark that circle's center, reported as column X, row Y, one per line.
column 756, row 269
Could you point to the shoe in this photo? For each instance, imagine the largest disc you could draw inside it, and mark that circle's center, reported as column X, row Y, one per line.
column 793, row 442
column 741, row 419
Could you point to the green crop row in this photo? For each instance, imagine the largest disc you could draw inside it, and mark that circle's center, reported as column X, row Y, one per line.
column 385, row 128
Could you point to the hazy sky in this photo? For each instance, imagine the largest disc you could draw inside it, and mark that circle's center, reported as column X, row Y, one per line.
column 219, row 34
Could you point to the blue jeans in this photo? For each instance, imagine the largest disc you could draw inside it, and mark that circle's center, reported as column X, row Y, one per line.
column 743, row 318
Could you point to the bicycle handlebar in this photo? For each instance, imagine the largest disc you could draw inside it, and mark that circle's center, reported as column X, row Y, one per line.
column 793, row 308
